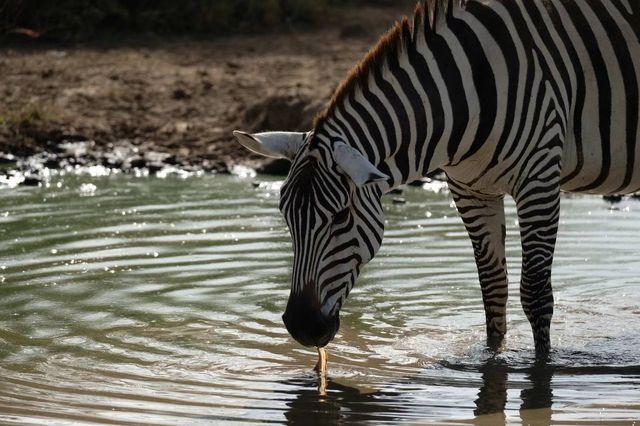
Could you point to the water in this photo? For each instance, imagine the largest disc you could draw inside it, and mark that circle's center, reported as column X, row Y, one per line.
column 157, row 301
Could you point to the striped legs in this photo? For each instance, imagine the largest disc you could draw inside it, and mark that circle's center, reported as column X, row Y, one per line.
column 538, row 213
column 484, row 220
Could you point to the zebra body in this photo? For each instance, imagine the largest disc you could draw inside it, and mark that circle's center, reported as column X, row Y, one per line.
column 509, row 97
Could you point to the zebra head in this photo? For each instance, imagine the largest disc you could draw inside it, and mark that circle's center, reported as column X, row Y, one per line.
column 331, row 203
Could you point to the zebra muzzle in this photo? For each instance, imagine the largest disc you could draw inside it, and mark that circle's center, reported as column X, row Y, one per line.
column 309, row 326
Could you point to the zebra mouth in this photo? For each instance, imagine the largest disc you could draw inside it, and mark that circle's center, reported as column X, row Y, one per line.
column 311, row 329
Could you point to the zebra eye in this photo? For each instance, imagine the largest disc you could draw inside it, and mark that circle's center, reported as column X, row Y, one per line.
column 341, row 217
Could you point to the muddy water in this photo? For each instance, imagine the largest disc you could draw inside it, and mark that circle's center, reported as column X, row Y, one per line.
column 158, row 301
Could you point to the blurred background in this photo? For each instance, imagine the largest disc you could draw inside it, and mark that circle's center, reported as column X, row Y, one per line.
column 76, row 19
column 139, row 84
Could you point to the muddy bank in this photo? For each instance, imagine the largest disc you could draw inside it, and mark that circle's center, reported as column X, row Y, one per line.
column 173, row 99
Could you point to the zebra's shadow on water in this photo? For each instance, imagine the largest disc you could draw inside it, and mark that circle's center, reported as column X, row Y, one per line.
column 534, row 382
column 401, row 399
column 339, row 403
column 481, row 388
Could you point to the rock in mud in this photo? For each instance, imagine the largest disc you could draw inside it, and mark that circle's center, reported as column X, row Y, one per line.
column 7, row 160
column 53, row 162
column 31, row 180
column 138, row 163
column 172, row 160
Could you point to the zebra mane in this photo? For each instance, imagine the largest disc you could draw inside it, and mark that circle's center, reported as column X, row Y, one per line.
column 426, row 17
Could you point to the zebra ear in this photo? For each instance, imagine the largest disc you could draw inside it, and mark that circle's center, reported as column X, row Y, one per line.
column 355, row 165
column 272, row 144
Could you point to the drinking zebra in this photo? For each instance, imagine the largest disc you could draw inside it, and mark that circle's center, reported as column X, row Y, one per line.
column 518, row 97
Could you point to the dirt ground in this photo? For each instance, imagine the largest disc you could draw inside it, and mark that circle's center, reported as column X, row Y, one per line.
column 179, row 96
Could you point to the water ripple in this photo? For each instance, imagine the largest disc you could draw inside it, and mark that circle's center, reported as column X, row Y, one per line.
column 159, row 302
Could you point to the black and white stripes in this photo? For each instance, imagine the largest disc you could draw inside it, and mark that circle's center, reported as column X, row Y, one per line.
column 509, row 97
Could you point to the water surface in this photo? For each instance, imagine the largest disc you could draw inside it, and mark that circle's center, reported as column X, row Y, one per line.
column 130, row 300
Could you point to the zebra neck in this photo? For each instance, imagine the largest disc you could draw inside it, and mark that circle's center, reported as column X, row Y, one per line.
column 397, row 106
column 398, row 118
column 398, row 147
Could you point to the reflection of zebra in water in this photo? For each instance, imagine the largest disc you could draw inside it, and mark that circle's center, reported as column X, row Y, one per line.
column 517, row 97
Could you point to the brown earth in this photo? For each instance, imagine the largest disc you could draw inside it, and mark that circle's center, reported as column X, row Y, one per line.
column 178, row 96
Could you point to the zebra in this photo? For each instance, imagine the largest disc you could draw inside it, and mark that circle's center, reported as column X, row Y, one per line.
column 525, row 98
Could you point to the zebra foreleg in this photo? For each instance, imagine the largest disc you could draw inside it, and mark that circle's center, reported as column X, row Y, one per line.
column 484, row 220
column 538, row 215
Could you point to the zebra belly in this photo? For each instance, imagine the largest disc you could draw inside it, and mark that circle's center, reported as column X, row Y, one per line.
column 588, row 173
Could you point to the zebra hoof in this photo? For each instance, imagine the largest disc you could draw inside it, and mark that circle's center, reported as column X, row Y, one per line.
column 495, row 341
column 543, row 353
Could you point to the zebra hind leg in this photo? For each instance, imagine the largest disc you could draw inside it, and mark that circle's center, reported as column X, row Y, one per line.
column 484, row 220
column 538, row 215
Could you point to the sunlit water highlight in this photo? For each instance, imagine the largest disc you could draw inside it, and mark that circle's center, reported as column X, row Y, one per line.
column 157, row 301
